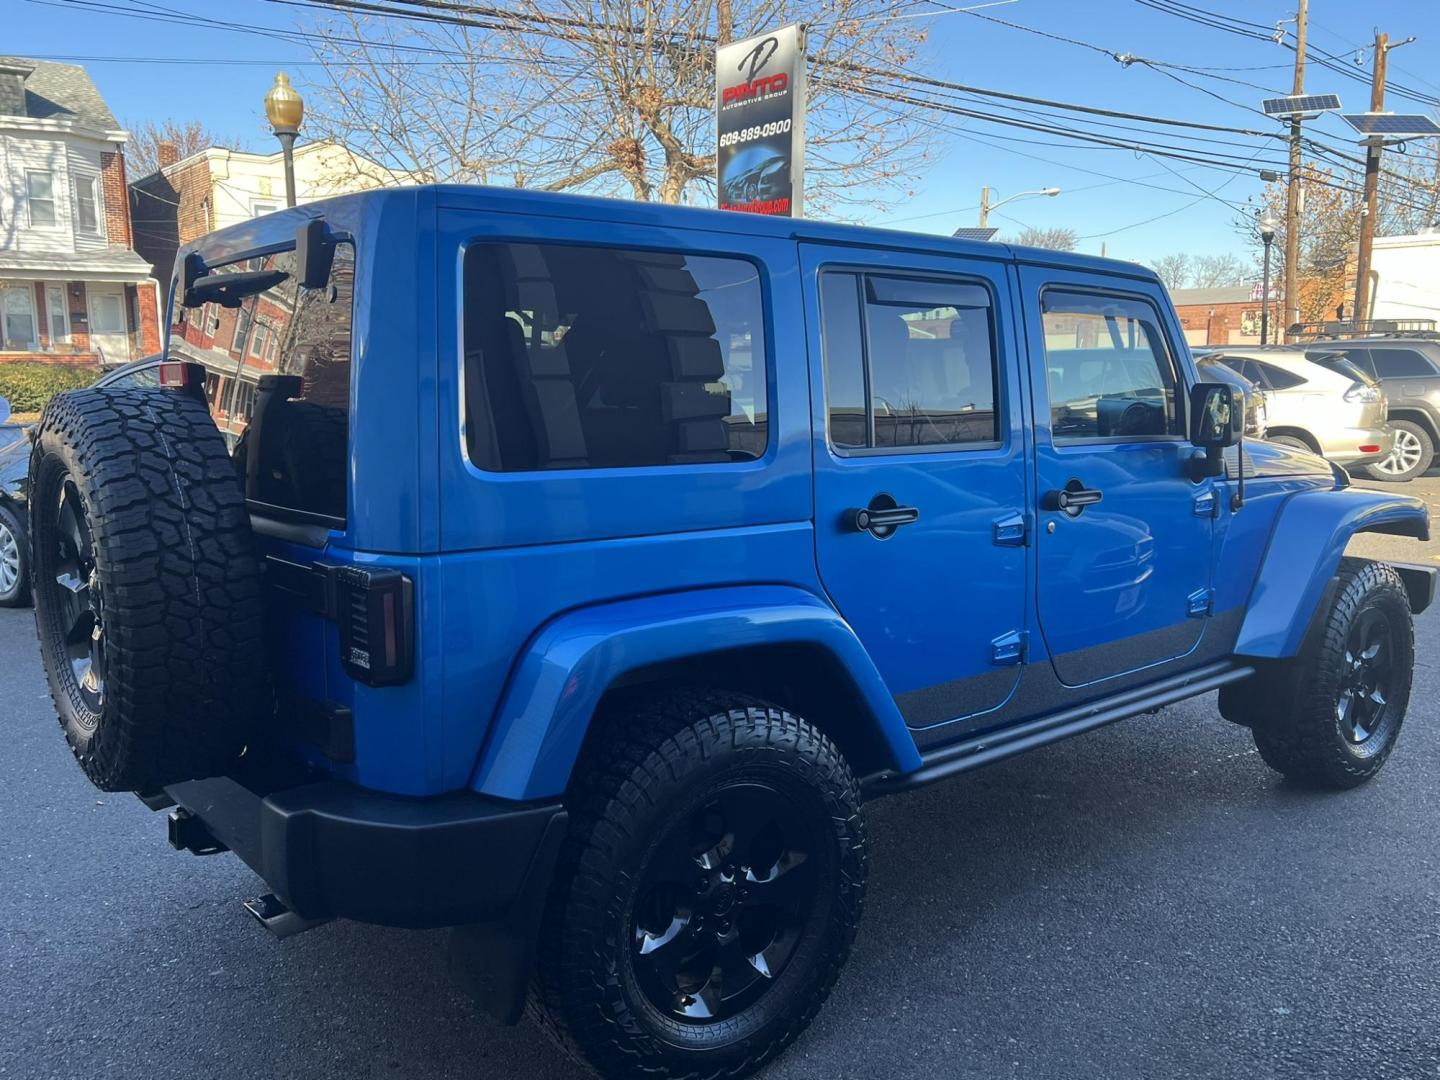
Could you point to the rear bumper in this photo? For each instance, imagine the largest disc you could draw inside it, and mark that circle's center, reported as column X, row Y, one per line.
column 1343, row 445
column 333, row 850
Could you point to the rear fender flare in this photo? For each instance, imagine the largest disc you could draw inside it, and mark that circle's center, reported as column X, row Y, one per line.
column 1308, row 539
column 569, row 664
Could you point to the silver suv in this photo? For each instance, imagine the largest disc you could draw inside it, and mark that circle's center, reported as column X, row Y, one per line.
column 1335, row 410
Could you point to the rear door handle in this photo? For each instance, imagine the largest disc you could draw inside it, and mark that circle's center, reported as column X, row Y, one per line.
column 882, row 517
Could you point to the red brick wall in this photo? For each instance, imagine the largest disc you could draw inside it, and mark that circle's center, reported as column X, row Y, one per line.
column 117, row 198
column 1224, row 325
column 149, row 320
column 171, row 208
column 79, row 314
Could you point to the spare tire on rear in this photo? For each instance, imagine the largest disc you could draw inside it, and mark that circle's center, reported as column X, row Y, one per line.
column 147, row 587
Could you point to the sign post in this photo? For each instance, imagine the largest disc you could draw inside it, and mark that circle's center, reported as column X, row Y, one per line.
column 760, row 123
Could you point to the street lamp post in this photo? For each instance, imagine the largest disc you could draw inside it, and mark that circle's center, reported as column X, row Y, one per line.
column 986, row 205
column 1268, row 225
column 284, row 108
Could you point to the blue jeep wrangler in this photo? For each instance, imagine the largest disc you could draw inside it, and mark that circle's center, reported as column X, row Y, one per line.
column 570, row 572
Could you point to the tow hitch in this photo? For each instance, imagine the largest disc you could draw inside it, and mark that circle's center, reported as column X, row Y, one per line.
column 189, row 833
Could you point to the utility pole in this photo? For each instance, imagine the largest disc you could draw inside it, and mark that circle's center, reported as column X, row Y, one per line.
column 1292, row 189
column 1373, row 149
column 984, row 207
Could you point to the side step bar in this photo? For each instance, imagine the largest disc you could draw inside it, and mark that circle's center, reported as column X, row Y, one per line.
column 998, row 745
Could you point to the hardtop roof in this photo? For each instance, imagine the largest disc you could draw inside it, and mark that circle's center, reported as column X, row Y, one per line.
column 273, row 228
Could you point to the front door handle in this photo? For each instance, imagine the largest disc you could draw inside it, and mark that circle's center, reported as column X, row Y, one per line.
column 882, row 517
column 1072, row 498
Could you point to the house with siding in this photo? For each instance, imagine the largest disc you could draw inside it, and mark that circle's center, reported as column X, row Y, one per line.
column 72, row 288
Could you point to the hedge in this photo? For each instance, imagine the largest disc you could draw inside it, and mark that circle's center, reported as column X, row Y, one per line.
column 29, row 386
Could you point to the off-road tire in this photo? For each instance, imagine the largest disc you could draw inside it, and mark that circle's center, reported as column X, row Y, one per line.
column 176, row 586
column 1291, row 706
column 12, row 525
column 652, row 762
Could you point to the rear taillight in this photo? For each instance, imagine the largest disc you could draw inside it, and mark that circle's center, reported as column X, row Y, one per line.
column 375, row 610
column 1370, row 448
column 1359, row 392
column 174, row 375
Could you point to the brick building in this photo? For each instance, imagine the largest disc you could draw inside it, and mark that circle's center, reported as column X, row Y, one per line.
column 1227, row 315
column 72, row 288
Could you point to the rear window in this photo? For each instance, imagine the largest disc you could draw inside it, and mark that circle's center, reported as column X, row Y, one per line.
column 1396, row 363
column 293, row 344
column 597, row 358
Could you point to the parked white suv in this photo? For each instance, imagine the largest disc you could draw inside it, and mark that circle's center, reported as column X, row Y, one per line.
column 1335, row 410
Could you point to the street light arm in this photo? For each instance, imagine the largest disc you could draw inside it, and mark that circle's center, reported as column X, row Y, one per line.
column 1049, row 191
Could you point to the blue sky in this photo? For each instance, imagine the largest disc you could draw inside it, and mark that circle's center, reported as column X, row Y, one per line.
column 963, row 48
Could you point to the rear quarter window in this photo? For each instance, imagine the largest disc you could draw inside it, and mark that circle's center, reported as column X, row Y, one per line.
column 597, row 357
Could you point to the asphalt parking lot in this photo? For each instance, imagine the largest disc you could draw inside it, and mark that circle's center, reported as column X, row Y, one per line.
column 1146, row 901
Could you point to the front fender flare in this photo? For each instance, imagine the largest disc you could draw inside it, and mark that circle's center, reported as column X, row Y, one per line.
column 570, row 662
column 1306, row 544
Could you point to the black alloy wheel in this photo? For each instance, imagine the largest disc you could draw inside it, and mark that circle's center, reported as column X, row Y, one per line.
column 724, row 902
column 74, row 589
column 1363, row 705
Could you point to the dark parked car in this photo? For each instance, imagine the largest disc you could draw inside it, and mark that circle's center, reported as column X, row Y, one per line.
column 1212, row 368
column 1409, row 372
column 15, row 461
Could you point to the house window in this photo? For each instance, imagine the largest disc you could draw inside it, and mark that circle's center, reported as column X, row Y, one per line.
column 107, row 313
column 260, row 209
column 18, row 307
column 57, row 312
column 87, row 204
column 259, row 339
column 40, row 195
column 242, row 331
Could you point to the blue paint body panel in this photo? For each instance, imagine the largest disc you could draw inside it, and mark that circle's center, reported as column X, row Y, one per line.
column 535, row 591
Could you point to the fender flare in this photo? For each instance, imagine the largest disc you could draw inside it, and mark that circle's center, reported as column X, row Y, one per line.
column 1306, row 544
column 570, row 662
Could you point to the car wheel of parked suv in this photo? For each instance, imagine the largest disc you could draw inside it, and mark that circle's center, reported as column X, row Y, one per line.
column 1414, row 451
column 147, row 597
column 14, row 559
column 709, row 890
column 1330, row 716
column 1292, row 440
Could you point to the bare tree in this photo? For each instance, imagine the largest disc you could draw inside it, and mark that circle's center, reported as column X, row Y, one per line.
column 1212, row 271
column 612, row 97
column 1056, row 238
column 1174, row 270
column 142, row 152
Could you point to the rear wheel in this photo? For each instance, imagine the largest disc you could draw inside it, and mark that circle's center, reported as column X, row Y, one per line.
column 1292, row 440
column 1413, row 454
column 1331, row 715
column 708, row 893
column 14, row 559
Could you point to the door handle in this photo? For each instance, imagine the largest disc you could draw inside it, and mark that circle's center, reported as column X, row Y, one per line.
column 882, row 517
column 1072, row 498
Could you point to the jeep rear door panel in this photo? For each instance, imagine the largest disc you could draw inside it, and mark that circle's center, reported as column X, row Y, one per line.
column 1124, row 543
column 920, row 474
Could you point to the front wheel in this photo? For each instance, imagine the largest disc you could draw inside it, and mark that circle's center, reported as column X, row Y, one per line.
column 709, row 891
column 1331, row 715
column 14, row 559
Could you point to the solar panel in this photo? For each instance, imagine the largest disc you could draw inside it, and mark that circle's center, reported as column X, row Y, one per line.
column 1392, row 125
column 974, row 233
column 1300, row 104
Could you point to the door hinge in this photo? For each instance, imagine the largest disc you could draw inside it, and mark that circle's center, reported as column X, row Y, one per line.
column 1012, row 530
column 1010, row 648
column 1201, row 603
column 1205, row 504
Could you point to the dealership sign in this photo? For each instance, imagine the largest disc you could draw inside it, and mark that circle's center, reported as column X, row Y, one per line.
column 760, row 123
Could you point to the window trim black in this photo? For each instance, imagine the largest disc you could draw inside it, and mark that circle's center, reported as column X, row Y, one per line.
column 1182, row 383
column 514, row 475
column 997, row 369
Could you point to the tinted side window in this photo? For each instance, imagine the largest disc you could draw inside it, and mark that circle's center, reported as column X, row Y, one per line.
column 1331, row 358
column 908, row 361
column 1109, row 371
column 1400, row 363
column 1277, row 378
column 580, row 357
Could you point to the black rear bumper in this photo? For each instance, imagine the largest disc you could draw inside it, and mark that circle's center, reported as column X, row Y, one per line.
column 333, row 850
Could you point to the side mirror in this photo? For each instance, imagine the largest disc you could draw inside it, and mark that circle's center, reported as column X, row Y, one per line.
column 1217, row 416
column 4, row 409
